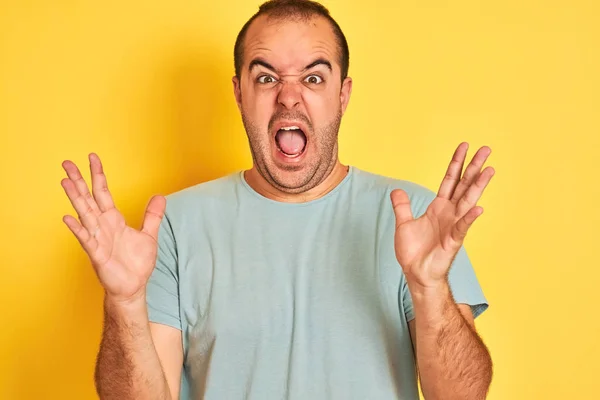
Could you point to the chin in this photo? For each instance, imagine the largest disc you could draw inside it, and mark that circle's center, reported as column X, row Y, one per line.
column 289, row 177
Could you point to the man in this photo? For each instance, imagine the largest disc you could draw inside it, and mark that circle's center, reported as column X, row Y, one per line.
column 300, row 278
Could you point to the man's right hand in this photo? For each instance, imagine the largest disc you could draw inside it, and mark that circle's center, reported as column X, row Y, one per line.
column 122, row 257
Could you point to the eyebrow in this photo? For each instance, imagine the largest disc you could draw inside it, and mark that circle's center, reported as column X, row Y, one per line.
column 259, row 61
column 319, row 61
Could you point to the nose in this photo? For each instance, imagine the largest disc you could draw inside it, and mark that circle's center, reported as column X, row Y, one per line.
column 289, row 95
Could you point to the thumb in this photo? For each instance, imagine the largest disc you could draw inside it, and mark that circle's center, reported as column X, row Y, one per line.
column 401, row 205
column 153, row 216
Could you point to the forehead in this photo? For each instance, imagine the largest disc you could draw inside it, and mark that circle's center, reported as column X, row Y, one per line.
column 290, row 44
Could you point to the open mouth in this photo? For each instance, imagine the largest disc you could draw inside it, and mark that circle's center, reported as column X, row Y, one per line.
column 291, row 141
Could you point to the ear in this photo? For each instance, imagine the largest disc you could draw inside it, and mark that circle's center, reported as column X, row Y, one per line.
column 345, row 93
column 237, row 91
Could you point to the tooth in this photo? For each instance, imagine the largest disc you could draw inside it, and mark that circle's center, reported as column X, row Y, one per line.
column 289, row 128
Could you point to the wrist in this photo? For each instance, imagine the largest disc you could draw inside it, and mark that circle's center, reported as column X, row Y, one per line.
column 431, row 303
column 430, row 290
column 133, row 305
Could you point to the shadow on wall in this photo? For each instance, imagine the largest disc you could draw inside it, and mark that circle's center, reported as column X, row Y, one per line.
column 205, row 140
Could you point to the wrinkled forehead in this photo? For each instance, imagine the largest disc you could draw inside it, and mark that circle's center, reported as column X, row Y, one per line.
column 290, row 44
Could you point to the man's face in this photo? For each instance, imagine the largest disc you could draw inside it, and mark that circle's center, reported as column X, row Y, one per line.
column 292, row 100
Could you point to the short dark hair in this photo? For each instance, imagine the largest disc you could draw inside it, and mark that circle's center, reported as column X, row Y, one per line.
column 302, row 9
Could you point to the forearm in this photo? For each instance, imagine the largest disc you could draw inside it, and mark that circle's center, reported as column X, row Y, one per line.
column 453, row 361
column 128, row 366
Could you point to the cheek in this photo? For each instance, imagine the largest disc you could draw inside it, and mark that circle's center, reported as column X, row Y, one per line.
column 321, row 106
column 258, row 106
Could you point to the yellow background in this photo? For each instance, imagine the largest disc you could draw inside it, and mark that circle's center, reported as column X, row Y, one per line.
column 147, row 85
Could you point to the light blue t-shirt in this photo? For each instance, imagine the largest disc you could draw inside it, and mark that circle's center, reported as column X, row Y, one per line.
column 292, row 301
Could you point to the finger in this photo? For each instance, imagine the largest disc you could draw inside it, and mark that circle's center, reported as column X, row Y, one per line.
column 460, row 229
column 154, row 215
column 474, row 192
column 454, row 171
column 99, row 185
column 87, row 241
column 471, row 173
column 86, row 214
column 82, row 187
column 401, row 204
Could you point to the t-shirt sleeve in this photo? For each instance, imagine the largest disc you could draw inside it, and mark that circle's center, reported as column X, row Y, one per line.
column 464, row 284
column 462, row 278
column 162, row 291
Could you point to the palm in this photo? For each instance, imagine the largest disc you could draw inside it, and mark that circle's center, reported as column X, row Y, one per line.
column 428, row 240
column 123, row 257
column 426, row 246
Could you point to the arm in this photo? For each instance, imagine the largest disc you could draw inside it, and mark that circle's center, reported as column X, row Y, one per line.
column 137, row 359
column 169, row 347
column 453, row 362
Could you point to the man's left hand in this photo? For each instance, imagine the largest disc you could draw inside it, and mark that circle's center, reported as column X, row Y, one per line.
column 426, row 246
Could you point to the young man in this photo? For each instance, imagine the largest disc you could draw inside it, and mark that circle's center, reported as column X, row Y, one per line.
column 301, row 278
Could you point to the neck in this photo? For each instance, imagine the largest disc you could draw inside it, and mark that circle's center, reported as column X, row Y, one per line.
column 256, row 181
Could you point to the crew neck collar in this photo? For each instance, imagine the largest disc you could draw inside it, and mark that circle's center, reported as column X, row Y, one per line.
column 254, row 193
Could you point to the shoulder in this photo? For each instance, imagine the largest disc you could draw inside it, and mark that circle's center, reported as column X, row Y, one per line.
column 380, row 186
column 203, row 195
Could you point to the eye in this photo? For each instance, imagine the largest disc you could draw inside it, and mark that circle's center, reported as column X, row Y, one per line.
column 313, row 79
column 266, row 79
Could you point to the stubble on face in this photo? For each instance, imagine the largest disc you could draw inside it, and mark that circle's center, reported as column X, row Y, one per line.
column 307, row 175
